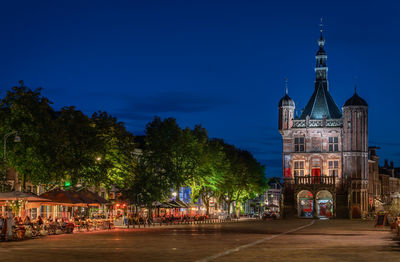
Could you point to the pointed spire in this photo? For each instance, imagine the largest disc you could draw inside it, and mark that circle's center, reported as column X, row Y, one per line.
column 286, row 85
column 321, row 69
column 321, row 40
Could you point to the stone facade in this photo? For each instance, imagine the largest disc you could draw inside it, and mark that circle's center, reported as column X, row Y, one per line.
column 325, row 152
column 383, row 182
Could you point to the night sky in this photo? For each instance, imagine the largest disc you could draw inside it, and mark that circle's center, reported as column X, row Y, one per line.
column 221, row 64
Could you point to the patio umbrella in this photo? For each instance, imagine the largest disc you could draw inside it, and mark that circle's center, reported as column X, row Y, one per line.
column 93, row 196
column 83, row 197
column 180, row 203
column 169, row 205
column 16, row 195
column 63, row 197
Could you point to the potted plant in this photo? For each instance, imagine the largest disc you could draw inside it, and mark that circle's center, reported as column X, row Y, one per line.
column 394, row 212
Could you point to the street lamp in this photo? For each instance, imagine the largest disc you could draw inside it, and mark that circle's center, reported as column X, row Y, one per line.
column 174, row 194
column 17, row 139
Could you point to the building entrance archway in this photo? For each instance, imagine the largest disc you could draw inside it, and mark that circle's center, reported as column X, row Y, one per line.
column 324, row 202
column 305, row 204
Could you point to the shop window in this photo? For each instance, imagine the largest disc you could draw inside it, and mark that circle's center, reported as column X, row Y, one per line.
column 333, row 167
column 299, row 144
column 299, row 168
column 333, row 144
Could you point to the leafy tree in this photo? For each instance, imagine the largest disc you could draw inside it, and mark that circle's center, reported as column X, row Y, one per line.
column 115, row 159
column 209, row 179
column 30, row 114
column 245, row 178
column 76, row 148
column 148, row 186
column 175, row 152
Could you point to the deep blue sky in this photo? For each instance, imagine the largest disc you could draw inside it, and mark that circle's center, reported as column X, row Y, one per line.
column 218, row 63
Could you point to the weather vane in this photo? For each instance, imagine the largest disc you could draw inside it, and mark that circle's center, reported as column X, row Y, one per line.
column 286, row 85
column 321, row 25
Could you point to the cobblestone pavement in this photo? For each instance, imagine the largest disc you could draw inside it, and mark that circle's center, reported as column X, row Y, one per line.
column 281, row 240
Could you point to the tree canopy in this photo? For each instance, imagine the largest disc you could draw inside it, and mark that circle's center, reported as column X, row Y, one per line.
column 67, row 145
column 64, row 145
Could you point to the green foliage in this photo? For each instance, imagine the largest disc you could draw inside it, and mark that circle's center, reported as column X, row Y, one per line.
column 175, row 157
column 64, row 145
column 27, row 112
column 174, row 152
column 394, row 207
column 67, row 145
column 244, row 179
column 115, row 159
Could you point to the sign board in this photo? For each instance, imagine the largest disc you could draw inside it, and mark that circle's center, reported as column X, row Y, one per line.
column 380, row 220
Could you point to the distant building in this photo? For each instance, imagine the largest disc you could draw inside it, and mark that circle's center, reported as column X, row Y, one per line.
column 272, row 197
column 325, row 152
column 384, row 182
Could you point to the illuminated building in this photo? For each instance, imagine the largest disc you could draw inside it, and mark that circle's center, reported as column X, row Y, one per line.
column 325, row 152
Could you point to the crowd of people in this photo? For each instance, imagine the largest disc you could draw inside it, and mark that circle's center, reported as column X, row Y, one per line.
column 133, row 219
column 17, row 228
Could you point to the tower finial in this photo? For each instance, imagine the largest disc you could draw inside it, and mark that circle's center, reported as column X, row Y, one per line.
column 321, row 40
column 355, row 84
column 286, row 85
column 321, row 26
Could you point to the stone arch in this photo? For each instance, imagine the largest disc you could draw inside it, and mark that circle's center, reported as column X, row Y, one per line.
column 324, row 204
column 305, row 204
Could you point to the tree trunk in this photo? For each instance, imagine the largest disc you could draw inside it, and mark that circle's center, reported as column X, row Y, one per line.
column 238, row 210
column 229, row 207
column 177, row 193
column 23, row 183
column 150, row 213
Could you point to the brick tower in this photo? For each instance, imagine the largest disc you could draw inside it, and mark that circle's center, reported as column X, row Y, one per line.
column 325, row 153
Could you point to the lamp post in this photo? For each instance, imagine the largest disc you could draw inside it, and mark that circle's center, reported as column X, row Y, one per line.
column 17, row 139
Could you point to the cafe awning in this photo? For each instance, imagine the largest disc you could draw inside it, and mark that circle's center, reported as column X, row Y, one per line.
column 16, row 195
column 68, row 197
column 180, row 203
column 93, row 196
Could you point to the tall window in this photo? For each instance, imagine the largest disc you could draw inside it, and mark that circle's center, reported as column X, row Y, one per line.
column 333, row 144
column 299, row 144
column 299, row 168
column 333, row 168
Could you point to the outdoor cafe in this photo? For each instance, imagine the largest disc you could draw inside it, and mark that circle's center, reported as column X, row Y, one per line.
column 25, row 215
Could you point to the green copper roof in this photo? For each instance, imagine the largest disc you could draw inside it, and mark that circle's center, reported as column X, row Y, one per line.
column 321, row 103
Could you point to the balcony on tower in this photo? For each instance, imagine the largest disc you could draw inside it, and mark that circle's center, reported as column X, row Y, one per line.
column 311, row 180
column 314, row 180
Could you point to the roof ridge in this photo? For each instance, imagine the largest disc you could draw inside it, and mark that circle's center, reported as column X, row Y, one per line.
column 315, row 99
column 326, row 104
